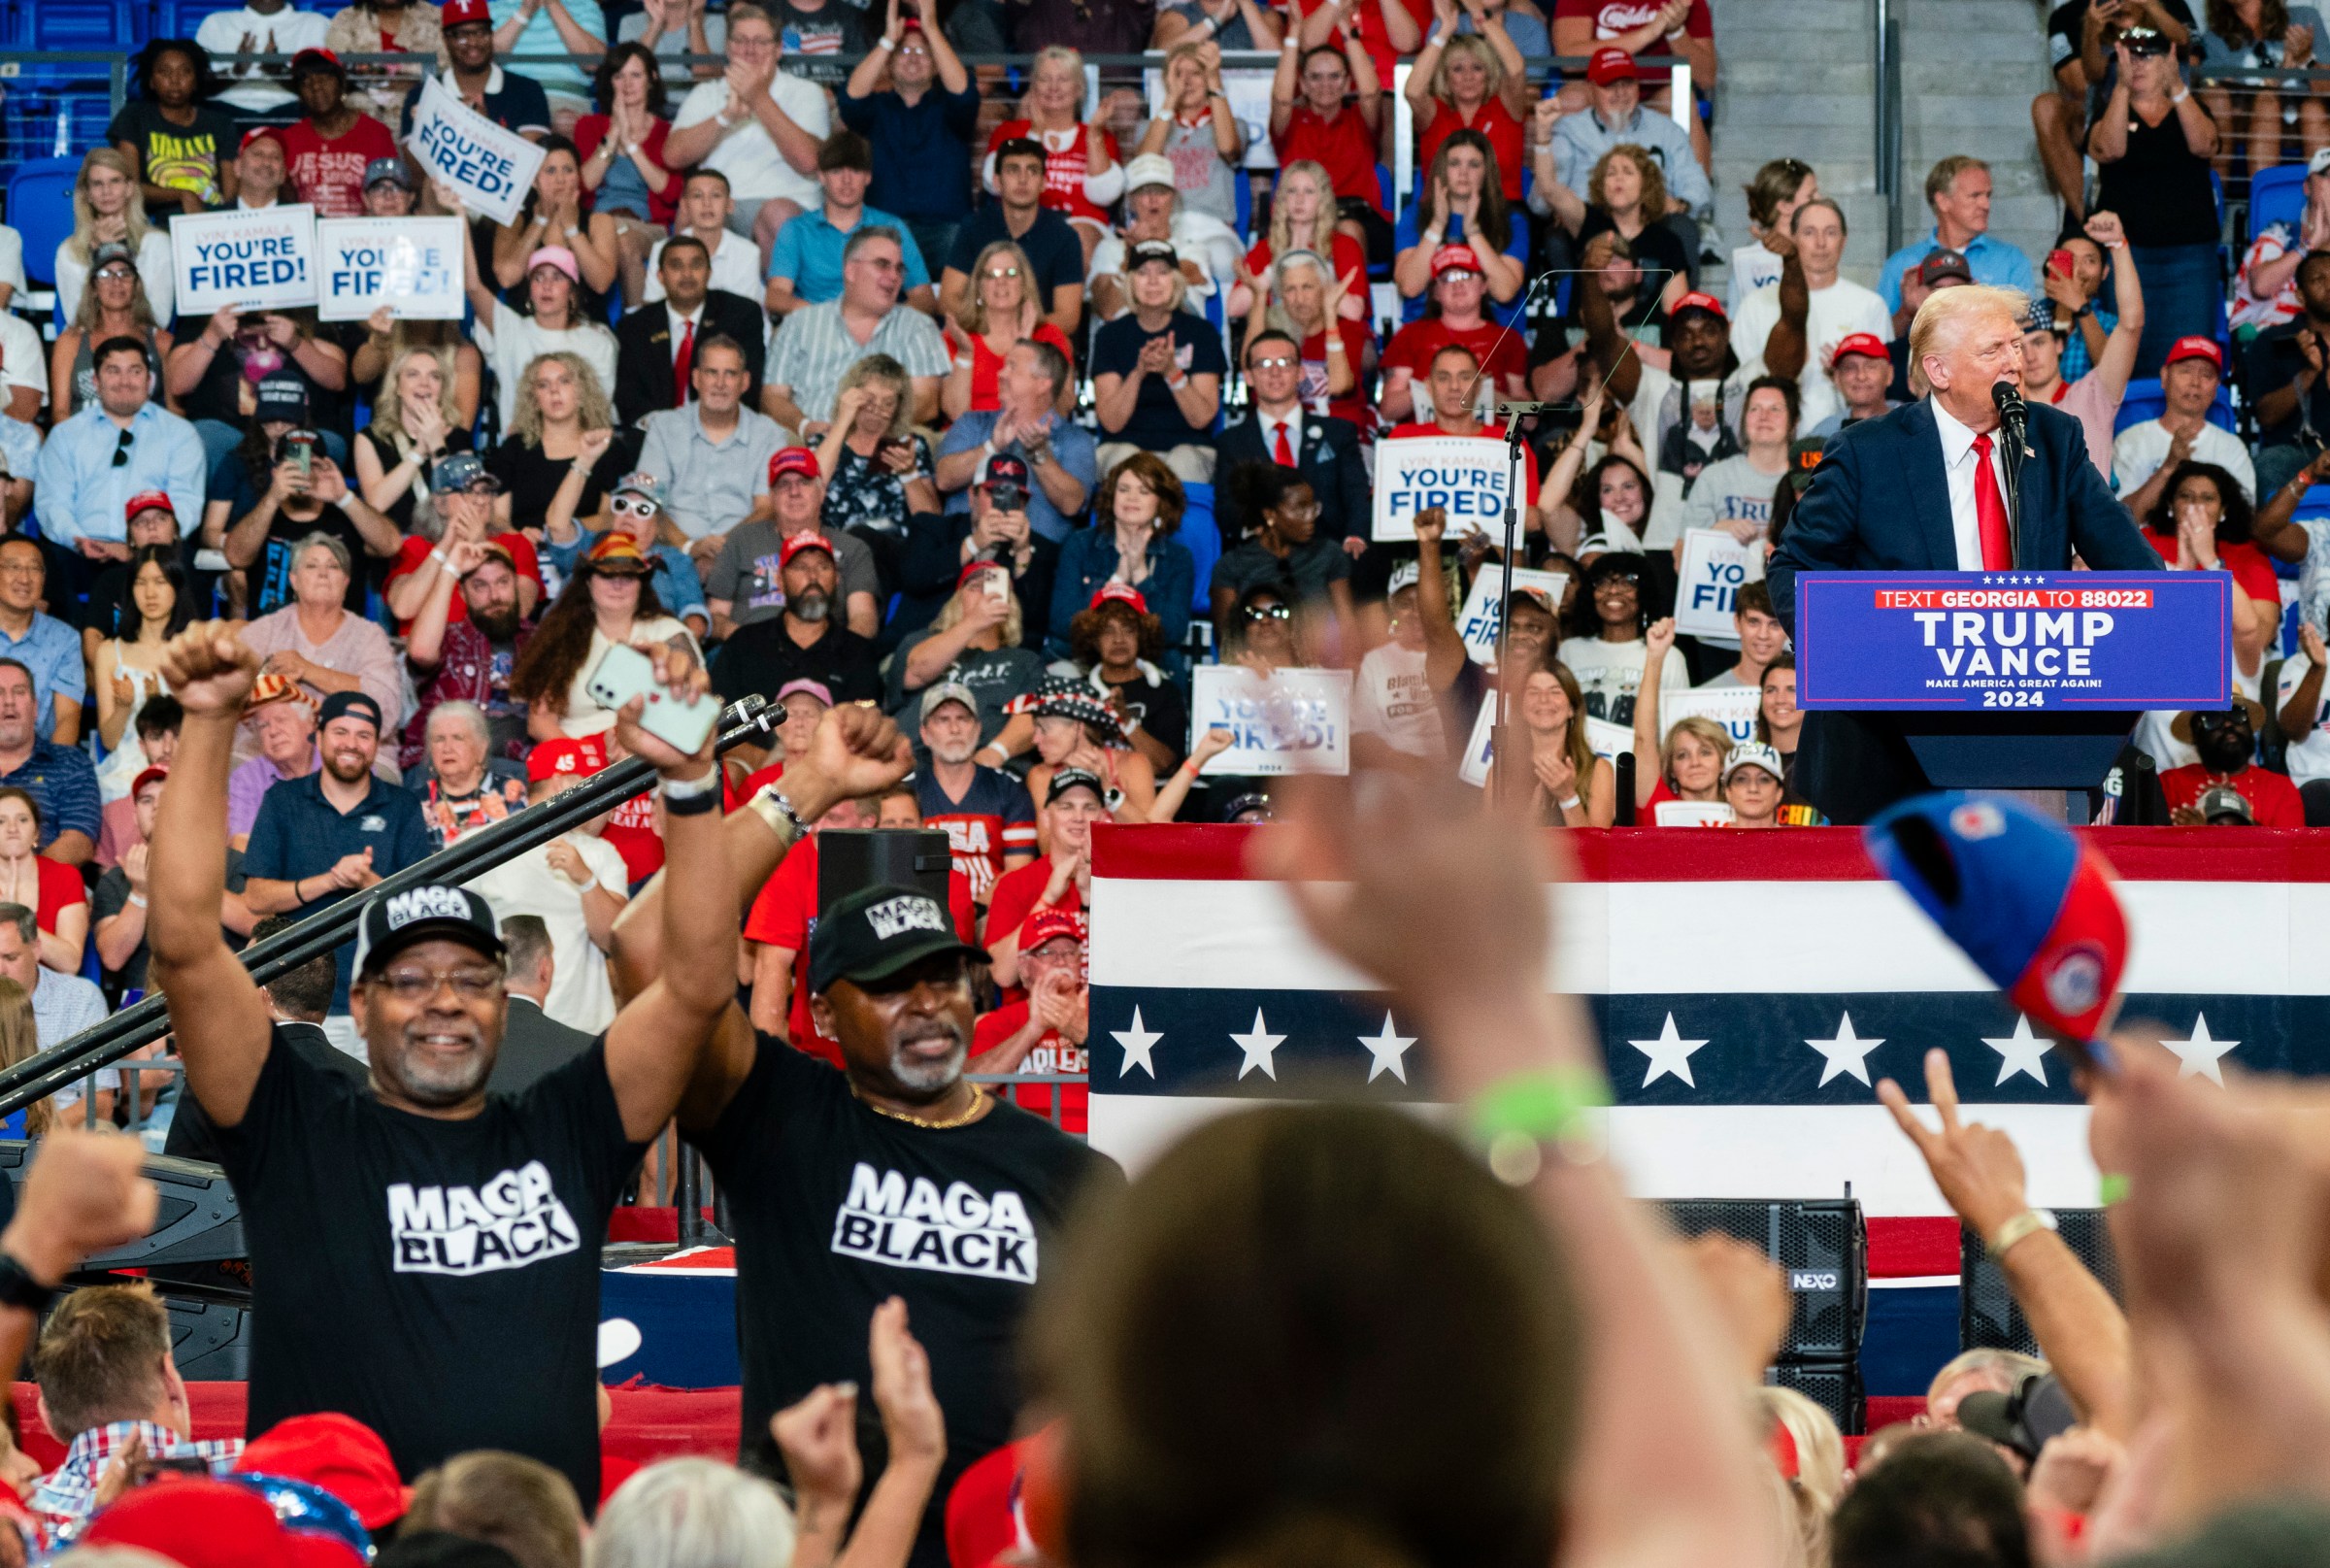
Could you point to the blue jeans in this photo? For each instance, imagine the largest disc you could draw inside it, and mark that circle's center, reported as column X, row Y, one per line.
column 2183, row 296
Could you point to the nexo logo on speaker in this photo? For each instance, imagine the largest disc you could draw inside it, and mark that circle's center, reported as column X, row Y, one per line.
column 1810, row 1279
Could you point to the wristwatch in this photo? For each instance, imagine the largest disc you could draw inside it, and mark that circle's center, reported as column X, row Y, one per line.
column 18, row 1288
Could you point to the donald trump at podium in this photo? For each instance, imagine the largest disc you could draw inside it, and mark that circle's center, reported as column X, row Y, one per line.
column 1924, row 489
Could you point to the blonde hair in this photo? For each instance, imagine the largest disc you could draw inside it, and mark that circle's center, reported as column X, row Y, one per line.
column 975, row 303
column 1278, row 317
column 1281, row 226
column 19, row 1041
column 1708, row 731
column 84, row 217
column 882, row 367
column 504, row 1500
column 1819, row 1479
column 592, row 411
column 387, row 409
column 2007, row 1367
column 1947, row 314
column 1474, row 45
column 1014, row 622
column 1183, row 51
column 1056, row 54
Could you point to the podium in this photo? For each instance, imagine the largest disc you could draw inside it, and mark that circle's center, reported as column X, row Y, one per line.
column 2014, row 679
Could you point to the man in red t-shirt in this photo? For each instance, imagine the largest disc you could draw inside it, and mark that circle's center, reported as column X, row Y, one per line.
column 2226, row 742
column 464, row 494
column 1454, row 315
column 1452, row 377
column 1071, row 803
column 1045, row 1033
column 326, row 154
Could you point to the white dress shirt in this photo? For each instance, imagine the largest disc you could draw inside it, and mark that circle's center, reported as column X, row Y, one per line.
column 1291, row 424
column 1957, row 463
column 681, row 323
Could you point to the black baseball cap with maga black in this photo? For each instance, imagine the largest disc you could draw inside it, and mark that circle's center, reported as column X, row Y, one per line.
column 878, row 931
column 395, row 921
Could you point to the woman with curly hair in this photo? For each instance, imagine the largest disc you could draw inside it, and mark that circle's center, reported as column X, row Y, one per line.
column 181, row 146
column 1120, row 644
column 607, row 603
column 1626, row 194
column 1474, row 81
column 1000, row 308
column 1134, row 516
column 562, row 453
column 1463, row 203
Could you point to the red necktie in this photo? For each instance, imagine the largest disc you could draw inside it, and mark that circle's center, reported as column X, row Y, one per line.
column 1991, row 511
column 1283, row 454
column 683, row 363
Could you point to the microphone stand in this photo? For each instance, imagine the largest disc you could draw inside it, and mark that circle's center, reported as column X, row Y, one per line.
column 2013, row 423
column 1504, row 757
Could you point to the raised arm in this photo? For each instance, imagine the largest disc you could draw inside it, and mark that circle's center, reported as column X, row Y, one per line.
column 1444, row 655
column 221, row 1017
column 1658, row 646
column 2117, row 362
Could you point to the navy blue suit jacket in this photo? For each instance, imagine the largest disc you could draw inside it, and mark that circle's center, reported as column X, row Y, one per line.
column 1880, row 502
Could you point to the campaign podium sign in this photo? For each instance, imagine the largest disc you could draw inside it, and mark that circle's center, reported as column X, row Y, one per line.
column 2019, row 642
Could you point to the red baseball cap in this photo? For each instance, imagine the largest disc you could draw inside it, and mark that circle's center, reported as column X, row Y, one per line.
column 793, row 460
column 148, row 501
column 1453, row 258
column 336, row 1452
column 149, row 776
column 1120, row 593
column 272, row 133
column 1700, row 302
column 311, row 55
column 456, row 13
column 560, row 758
column 2196, row 347
column 972, row 568
column 1861, row 343
column 1041, row 926
column 1607, row 65
column 800, row 542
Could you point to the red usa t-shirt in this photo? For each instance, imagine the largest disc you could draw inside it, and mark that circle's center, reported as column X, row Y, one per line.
column 329, row 176
column 1614, row 19
column 1052, row 1054
column 1376, row 41
column 994, row 819
column 784, row 915
column 1014, row 896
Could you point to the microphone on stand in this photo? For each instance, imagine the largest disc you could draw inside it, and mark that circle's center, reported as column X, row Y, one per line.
column 2014, row 414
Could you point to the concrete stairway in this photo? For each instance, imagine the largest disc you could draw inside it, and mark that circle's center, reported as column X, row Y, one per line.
column 1798, row 79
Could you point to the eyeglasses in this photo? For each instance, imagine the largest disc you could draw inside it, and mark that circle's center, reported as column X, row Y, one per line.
column 121, row 451
column 1307, row 510
column 1269, row 611
column 115, row 275
column 632, row 506
column 881, row 264
column 1003, row 272
column 413, row 985
column 20, row 568
column 1276, row 361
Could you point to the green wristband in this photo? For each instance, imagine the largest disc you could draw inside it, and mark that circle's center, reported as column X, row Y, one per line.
column 2111, row 1188
column 1515, row 1117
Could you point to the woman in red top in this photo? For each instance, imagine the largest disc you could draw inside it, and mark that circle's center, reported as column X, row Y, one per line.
column 1301, row 218
column 2202, row 524
column 1471, row 82
column 623, row 165
column 1081, row 176
column 999, row 309
column 1339, row 364
column 1309, row 120
column 49, row 888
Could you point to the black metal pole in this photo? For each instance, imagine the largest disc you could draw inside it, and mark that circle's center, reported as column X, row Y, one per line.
column 1501, row 757
column 61, row 1065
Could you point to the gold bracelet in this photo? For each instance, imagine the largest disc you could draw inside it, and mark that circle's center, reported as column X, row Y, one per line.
column 2020, row 1228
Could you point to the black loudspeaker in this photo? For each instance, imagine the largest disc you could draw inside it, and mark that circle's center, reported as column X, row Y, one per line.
column 850, row 858
column 209, row 1341
column 1834, row 1385
column 1822, row 1245
column 1987, row 1316
column 198, row 1221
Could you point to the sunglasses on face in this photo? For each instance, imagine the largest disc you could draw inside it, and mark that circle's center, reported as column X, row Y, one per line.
column 632, row 506
column 1269, row 611
column 1275, row 362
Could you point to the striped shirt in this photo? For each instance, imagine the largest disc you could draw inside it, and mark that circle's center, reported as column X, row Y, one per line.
column 63, row 1496
column 62, row 779
column 814, row 348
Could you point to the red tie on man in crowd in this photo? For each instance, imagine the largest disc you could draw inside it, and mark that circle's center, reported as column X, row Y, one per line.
column 683, row 362
column 1283, row 454
column 1991, row 511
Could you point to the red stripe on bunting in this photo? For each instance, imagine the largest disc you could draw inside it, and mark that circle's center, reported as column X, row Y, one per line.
column 1173, row 852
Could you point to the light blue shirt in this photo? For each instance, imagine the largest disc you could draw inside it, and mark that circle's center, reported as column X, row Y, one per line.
column 541, row 37
column 809, row 253
column 1581, row 140
column 51, row 651
column 1994, row 261
column 1072, row 448
column 1527, row 33
column 20, row 444
column 79, row 492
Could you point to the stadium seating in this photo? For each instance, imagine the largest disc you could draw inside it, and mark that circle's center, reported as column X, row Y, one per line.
column 2146, row 401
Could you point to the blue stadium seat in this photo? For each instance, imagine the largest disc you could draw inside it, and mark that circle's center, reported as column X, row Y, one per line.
column 83, row 24
column 2146, row 401
column 40, row 207
column 2277, row 195
column 1202, row 535
column 1243, row 183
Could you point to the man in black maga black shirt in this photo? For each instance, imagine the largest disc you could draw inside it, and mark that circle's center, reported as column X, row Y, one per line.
column 892, row 1178
column 425, row 1257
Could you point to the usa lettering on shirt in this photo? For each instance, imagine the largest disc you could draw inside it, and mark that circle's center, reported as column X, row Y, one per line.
column 972, row 840
column 913, row 1225
column 508, row 1223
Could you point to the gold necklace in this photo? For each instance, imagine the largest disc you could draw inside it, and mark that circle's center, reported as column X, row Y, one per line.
column 979, row 1103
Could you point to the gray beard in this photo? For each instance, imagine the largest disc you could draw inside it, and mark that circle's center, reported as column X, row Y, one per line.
column 931, row 1077
column 811, row 606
